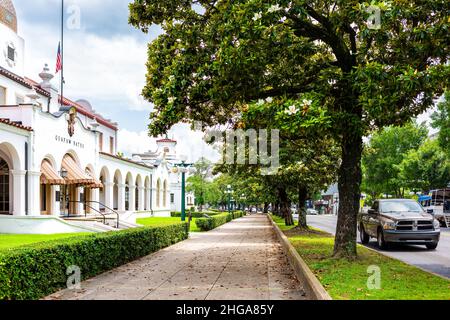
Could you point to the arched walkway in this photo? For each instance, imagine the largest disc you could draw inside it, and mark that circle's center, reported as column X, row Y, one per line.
column 12, row 181
column 129, row 193
column 158, row 193
column 5, row 184
column 147, row 194
column 118, row 192
column 165, row 194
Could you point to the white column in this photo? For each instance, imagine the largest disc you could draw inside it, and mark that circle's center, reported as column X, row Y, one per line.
column 34, row 193
column 18, row 198
column 121, row 200
column 132, row 198
column 78, row 191
column 95, row 196
column 109, row 194
column 55, row 205
column 141, row 199
column 147, row 198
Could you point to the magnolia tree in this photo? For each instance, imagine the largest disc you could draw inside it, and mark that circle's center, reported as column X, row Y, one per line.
column 366, row 66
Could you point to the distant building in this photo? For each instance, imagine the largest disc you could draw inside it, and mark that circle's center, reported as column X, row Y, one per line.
column 166, row 152
column 330, row 200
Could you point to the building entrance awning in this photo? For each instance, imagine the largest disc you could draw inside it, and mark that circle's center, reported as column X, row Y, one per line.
column 49, row 175
column 75, row 175
column 96, row 184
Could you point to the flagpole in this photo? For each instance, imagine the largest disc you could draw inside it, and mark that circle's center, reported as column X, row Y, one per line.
column 62, row 53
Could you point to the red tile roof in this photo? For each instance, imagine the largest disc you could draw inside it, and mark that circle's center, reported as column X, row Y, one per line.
column 88, row 113
column 30, row 84
column 127, row 160
column 15, row 124
column 23, row 81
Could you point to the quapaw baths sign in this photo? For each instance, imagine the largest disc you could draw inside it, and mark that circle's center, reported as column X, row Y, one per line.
column 69, row 142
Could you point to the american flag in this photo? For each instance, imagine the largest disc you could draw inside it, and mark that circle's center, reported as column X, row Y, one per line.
column 58, row 59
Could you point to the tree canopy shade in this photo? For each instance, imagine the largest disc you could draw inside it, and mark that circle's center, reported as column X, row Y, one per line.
column 426, row 168
column 383, row 155
column 214, row 57
column 441, row 121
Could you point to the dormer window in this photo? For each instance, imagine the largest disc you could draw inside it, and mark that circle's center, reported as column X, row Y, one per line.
column 11, row 53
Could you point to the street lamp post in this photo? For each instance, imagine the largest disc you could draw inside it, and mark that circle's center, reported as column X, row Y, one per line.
column 229, row 192
column 183, row 167
column 63, row 173
column 243, row 198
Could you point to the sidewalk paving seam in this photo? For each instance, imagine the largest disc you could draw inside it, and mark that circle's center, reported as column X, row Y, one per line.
column 223, row 269
column 174, row 274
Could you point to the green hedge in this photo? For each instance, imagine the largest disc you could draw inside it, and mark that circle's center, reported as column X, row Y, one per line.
column 194, row 214
column 206, row 224
column 35, row 271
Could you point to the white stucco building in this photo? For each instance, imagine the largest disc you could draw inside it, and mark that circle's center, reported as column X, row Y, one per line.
column 166, row 152
column 58, row 157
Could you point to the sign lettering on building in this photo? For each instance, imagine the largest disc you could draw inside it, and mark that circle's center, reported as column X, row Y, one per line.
column 69, row 141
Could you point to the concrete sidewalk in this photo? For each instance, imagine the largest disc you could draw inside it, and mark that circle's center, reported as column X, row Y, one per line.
column 241, row 260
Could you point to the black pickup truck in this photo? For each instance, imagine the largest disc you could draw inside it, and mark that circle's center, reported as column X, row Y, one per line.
column 399, row 221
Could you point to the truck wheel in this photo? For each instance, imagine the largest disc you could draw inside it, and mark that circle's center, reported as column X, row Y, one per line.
column 363, row 235
column 431, row 246
column 383, row 245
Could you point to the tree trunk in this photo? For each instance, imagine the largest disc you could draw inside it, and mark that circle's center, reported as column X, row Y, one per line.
column 276, row 209
column 302, row 197
column 266, row 207
column 285, row 207
column 350, row 177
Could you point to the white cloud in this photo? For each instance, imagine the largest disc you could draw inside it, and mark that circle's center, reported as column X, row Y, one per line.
column 113, row 69
column 190, row 143
column 130, row 142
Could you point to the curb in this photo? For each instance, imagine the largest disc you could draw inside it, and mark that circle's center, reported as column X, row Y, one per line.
column 300, row 267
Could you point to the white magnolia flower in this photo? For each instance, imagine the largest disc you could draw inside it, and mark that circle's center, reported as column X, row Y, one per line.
column 171, row 99
column 257, row 16
column 283, row 19
column 274, row 8
column 260, row 102
column 307, row 102
column 269, row 100
column 291, row 110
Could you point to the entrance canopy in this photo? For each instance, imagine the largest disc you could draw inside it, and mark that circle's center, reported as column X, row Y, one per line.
column 49, row 175
column 75, row 175
column 97, row 184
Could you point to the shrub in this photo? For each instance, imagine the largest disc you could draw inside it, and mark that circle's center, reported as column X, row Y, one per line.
column 206, row 224
column 35, row 271
column 194, row 214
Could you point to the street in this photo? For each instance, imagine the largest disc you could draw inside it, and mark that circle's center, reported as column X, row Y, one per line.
column 436, row 261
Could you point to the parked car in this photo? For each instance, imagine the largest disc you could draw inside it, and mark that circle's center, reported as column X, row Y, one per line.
column 312, row 212
column 399, row 221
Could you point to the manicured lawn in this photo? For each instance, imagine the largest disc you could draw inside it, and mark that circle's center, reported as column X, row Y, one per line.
column 8, row 241
column 347, row 280
column 162, row 221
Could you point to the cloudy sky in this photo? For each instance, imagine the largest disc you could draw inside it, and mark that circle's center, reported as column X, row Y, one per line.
column 104, row 64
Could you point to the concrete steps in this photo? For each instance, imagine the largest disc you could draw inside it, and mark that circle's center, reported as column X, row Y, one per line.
column 93, row 224
column 97, row 222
